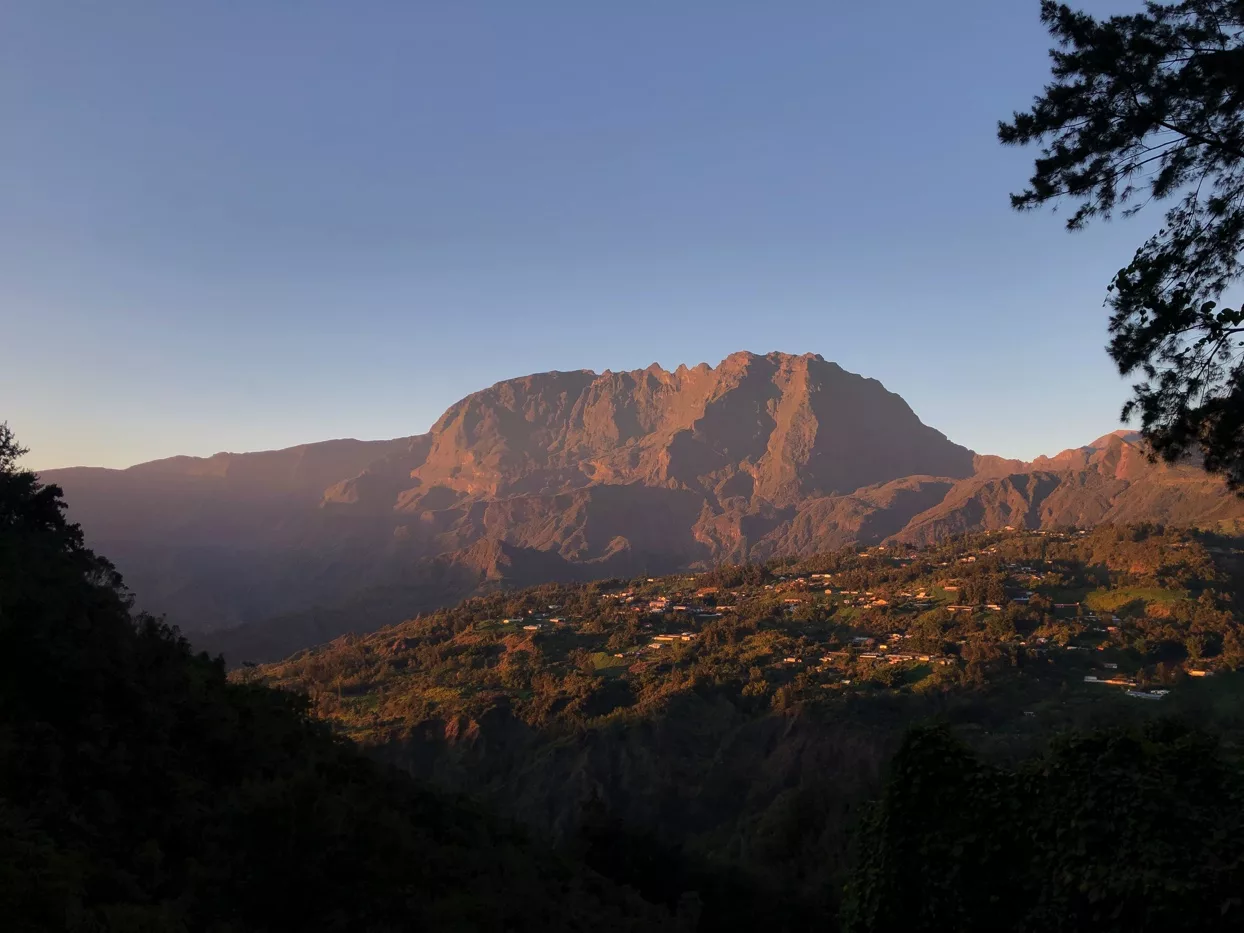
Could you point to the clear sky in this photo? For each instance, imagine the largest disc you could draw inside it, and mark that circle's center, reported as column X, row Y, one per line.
column 245, row 225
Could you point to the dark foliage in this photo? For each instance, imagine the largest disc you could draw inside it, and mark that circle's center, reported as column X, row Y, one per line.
column 704, row 896
column 1131, row 830
column 1147, row 107
column 139, row 790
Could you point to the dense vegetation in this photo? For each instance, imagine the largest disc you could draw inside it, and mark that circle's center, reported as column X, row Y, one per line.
column 1120, row 830
column 736, row 721
column 139, row 790
column 1031, row 612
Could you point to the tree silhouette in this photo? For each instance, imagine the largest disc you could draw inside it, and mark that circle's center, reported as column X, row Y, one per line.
column 1150, row 107
column 1113, row 830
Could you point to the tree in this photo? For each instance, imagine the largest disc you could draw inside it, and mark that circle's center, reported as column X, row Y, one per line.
column 1081, row 837
column 10, row 452
column 1150, row 107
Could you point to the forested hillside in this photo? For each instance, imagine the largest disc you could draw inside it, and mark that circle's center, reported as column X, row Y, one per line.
column 139, row 790
column 743, row 716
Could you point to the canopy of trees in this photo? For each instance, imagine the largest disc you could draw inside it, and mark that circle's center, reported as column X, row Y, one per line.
column 1136, row 830
column 1150, row 107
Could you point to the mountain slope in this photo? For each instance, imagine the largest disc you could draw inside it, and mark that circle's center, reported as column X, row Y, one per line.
column 1107, row 482
column 565, row 475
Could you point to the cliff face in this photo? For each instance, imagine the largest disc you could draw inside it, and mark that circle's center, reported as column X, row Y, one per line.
column 574, row 475
column 776, row 427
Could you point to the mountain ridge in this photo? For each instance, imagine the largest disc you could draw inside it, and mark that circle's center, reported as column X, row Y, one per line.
column 578, row 473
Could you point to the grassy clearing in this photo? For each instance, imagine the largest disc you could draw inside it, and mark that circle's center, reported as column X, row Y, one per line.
column 1115, row 599
column 603, row 661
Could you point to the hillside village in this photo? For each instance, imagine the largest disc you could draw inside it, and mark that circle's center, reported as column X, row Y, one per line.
column 1135, row 611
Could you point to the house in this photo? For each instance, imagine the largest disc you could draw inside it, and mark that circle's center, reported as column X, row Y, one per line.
column 1141, row 695
column 1197, row 673
column 534, row 627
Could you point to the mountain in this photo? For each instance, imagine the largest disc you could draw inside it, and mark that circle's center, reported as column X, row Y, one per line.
column 576, row 475
column 1110, row 481
column 220, row 540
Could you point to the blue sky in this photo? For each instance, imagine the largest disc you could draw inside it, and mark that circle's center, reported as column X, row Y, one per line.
column 246, row 225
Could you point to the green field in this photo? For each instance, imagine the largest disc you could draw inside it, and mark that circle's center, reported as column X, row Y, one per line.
column 1115, row 599
column 604, row 661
